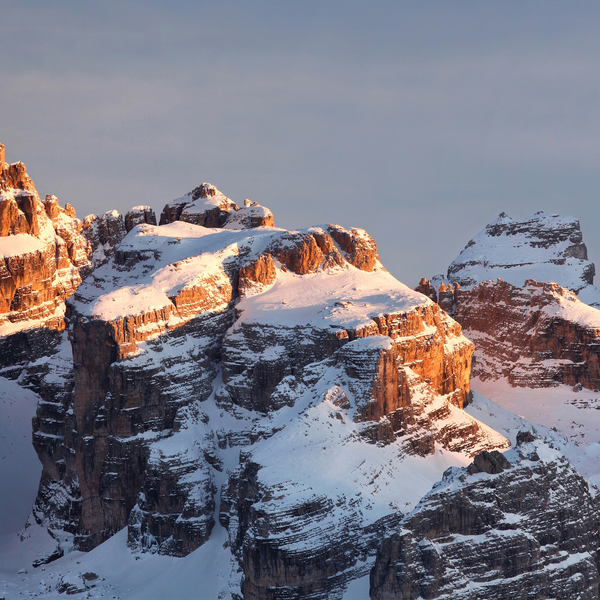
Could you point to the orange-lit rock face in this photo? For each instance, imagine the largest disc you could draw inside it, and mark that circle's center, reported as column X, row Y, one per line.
column 432, row 345
column 538, row 335
column 427, row 289
column 40, row 267
column 256, row 274
column 358, row 246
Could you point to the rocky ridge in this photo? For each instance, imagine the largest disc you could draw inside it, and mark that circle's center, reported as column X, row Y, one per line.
column 483, row 533
column 223, row 376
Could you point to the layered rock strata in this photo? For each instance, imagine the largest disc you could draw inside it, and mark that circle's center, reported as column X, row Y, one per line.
column 229, row 374
column 42, row 253
column 191, row 343
column 526, row 528
column 537, row 335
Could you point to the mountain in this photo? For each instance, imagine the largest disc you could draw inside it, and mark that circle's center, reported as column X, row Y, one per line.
column 536, row 343
column 544, row 247
column 228, row 409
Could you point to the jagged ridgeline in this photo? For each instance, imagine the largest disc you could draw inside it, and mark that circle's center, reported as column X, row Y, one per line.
column 215, row 374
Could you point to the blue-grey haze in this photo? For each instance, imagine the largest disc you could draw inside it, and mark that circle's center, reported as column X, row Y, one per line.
column 418, row 121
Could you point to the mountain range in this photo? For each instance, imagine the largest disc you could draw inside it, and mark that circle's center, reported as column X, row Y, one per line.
column 224, row 409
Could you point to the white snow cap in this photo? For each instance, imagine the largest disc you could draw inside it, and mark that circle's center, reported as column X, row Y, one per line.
column 544, row 247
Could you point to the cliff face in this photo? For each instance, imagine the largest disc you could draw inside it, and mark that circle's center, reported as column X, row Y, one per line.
column 190, row 344
column 484, row 533
column 538, row 335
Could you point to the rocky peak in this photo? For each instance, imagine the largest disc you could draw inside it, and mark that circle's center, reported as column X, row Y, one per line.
column 41, row 253
column 14, row 177
column 207, row 190
column 207, row 206
column 545, row 247
column 537, row 335
column 286, row 385
column 104, row 233
column 427, row 289
column 287, row 319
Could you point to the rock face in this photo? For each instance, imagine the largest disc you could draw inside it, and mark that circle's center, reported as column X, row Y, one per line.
column 191, row 344
column 137, row 215
column 45, row 252
column 538, row 335
column 104, row 233
column 529, row 528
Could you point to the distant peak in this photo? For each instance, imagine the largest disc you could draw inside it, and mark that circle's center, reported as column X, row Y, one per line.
column 206, row 190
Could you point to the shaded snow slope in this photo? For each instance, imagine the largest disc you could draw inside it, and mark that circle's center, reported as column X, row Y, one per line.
column 19, row 465
column 573, row 414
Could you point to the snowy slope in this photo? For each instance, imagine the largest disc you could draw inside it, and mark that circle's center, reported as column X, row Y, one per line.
column 19, row 465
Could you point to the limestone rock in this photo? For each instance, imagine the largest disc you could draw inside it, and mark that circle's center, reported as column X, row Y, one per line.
column 427, row 289
column 103, row 234
column 488, row 462
column 250, row 215
column 208, row 207
column 359, row 248
column 205, row 205
column 42, row 253
column 531, row 528
column 538, row 335
column 137, row 215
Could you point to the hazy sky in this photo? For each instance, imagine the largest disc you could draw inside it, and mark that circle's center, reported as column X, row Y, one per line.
column 418, row 121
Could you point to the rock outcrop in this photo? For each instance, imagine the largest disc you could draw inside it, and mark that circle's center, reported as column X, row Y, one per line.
column 138, row 215
column 207, row 206
column 103, row 234
column 42, row 254
column 526, row 529
column 538, row 335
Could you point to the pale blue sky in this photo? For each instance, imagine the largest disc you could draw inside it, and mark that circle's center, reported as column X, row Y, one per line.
column 419, row 121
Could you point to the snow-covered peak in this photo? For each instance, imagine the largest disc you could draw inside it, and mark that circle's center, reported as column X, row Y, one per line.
column 544, row 247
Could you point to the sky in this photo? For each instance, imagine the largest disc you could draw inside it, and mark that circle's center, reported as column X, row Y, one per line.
column 417, row 121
